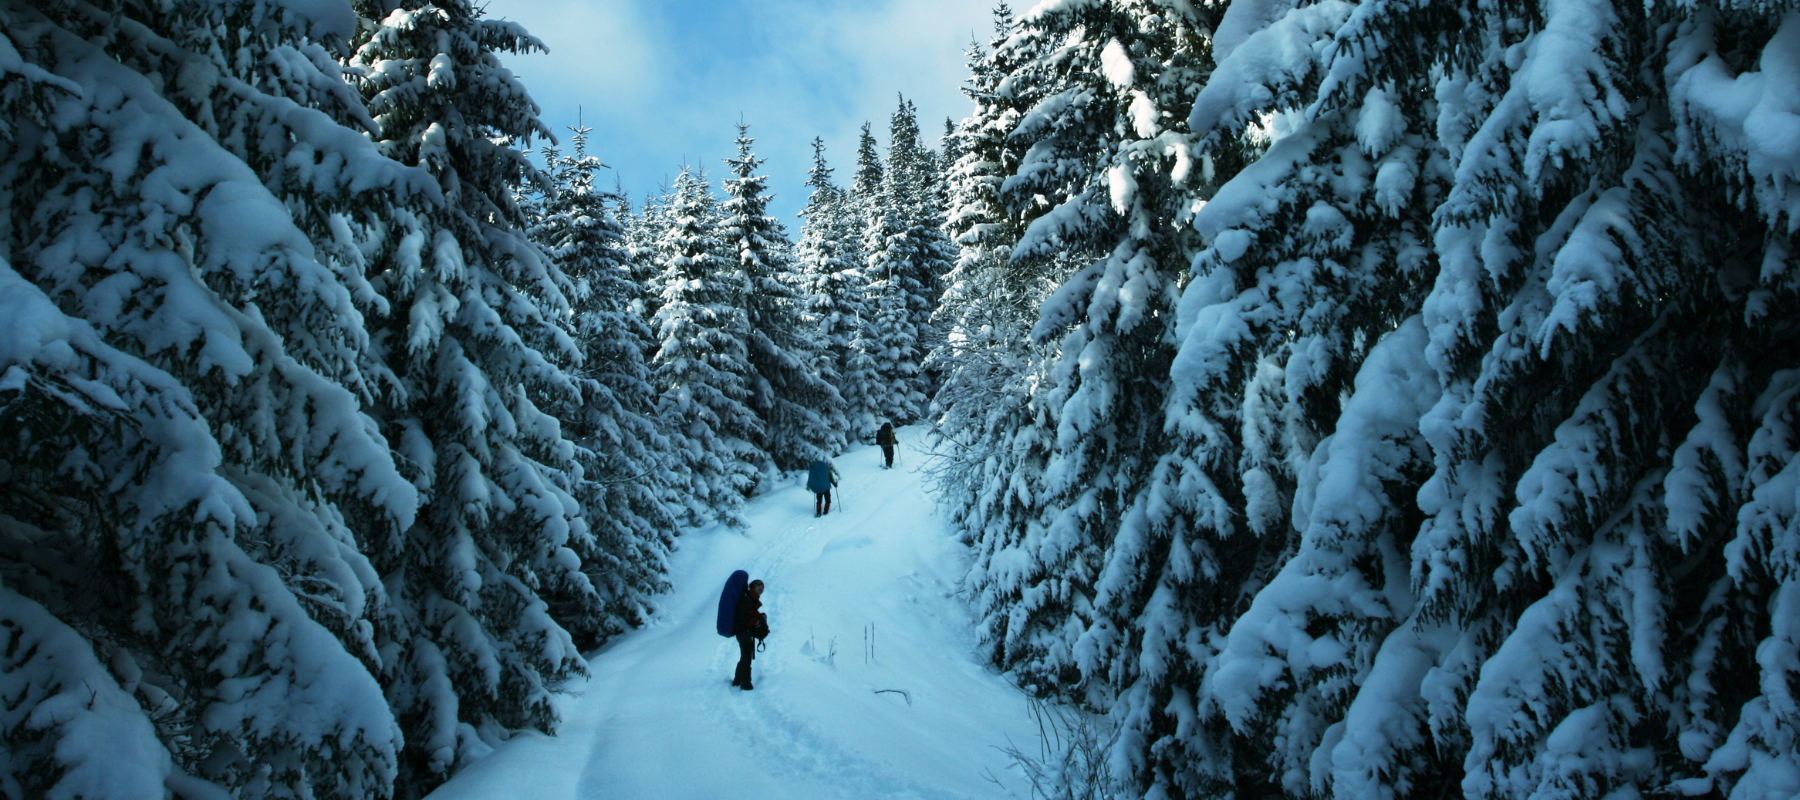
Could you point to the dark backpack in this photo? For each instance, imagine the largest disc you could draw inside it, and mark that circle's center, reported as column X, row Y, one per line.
column 734, row 588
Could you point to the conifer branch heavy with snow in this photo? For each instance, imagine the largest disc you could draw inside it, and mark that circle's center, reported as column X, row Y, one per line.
column 1450, row 486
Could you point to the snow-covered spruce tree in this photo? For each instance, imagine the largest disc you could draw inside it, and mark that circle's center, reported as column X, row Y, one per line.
column 904, row 247
column 1317, row 257
column 890, row 335
column 474, row 347
column 863, row 385
column 1596, row 533
column 625, row 473
column 865, row 185
column 1101, row 179
column 1478, row 429
column 830, row 285
column 1581, row 586
column 996, row 437
column 802, row 415
column 987, row 308
column 946, row 160
column 642, row 232
column 637, row 248
column 702, row 365
column 915, row 179
column 190, row 486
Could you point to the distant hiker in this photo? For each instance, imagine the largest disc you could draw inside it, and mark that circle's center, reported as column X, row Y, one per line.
column 750, row 626
column 821, row 476
column 885, row 438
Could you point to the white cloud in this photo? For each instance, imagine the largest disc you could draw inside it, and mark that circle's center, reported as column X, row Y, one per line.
column 658, row 88
column 598, row 47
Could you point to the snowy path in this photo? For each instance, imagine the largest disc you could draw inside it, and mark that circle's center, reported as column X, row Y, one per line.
column 657, row 719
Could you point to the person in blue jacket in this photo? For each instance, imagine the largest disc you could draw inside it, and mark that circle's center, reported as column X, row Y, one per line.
column 821, row 476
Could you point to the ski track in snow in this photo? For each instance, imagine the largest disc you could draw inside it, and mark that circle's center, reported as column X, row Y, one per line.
column 657, row 718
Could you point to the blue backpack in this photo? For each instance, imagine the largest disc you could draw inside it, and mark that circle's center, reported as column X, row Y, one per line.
column 734, row 588
column 818, row 478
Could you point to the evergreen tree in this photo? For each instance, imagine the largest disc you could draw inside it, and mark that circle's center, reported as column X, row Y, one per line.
column 863, row 388
column 906, row 254
column 190, row 487
column 868, row 180
column 835, row 292
column 642, row 232
column 702, row 366
column 619, row 447
column 890, row 335
column 866, row 387
column 1599, row 341
column 1321, row 270
column 1465, row 481
column 830, row 285
column 474, row 349
column 801, row 414
column 915, row 180
column 1097, row 178
column 989, row 362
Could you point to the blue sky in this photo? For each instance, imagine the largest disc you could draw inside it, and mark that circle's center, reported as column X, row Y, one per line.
column 660, row 82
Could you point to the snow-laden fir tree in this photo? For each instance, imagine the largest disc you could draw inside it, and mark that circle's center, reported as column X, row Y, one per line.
column 642, row 231
column 1097, row 176
column 890, row 334
column 905, row 251
column 475, row 349
column 915, row 191
column 994, row 438
column 1564, row 628
column 987, row 308
column 864, row 386
column 1588, row 376
column 831, row 289
column 625, row 470
column 190, row 487
column 866, row 183
column 802, row 415
column 1471, row 480
column 861, row 383
column 1317, row 259
column 702, row 366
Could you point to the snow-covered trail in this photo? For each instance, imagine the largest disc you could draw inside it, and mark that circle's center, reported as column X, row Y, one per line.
column 657, row 718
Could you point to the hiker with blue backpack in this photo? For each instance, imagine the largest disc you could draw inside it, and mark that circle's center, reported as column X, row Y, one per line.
column 821, row 476
column 741, row 617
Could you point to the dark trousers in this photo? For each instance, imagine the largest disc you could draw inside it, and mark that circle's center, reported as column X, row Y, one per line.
column 746, row 654
column 821, row 503
column 887, row 452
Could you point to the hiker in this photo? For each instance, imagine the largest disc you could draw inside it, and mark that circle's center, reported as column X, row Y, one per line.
column 885, row 438
column 821, row 476
column 749, row 625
